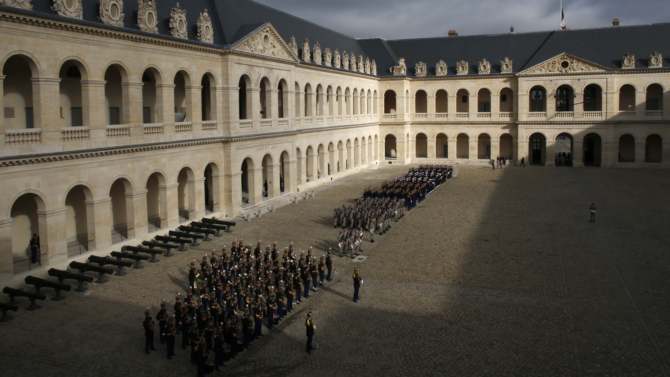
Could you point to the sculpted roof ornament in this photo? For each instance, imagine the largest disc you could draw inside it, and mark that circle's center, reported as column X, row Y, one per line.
column 400, row 69
column 205, row 28
column 421, row 69
column 373, row 68
column 462, row 67
column 628, row 61
column 656, row 60
column 21, row 4
column 294, row 46
column 318, row 58
column 68, row 8
column 306, row 53
column 147, row 16
column 367, row 66
column 328, row 57
column 361, row 64
column 111, row 12
column 178, row 22
column 506, row 65
column 564, row 63
column 345, row 61
column 441, row 68
column 266, row 41
column 484, row 67
column 337, row 59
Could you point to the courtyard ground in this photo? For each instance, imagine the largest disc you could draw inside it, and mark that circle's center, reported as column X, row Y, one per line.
column 498, row 273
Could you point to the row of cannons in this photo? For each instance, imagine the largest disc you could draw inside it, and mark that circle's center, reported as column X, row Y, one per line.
column 99, row 268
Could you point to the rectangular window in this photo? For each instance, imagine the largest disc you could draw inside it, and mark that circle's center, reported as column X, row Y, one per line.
column 29, row 118
column 114, row 115
column 76, row 117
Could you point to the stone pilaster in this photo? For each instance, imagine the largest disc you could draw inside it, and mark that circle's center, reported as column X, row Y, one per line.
column 46, row 105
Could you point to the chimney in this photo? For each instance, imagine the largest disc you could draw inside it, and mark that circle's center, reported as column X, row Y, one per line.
column 616, row 22
column 453, row 33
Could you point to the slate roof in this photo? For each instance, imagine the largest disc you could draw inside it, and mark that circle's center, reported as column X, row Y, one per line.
column 234, row 19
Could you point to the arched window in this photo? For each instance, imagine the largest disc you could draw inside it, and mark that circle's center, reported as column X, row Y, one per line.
column 441, row 102
column 296, row 104
column 627, row 98
column 265, row 99
column 115, row 98
column 208, row 97
column 282, row 99
column 653, row 149
column 627, row 148
column 506, row 101
column 390, row 102
column 421, row 102
column 421, row 146
column 484, row 101
column 565, row 98
column 151, row 96
column 538, row 100
column 244, row 94
column 308, row 101
column 593, row 98
column 182, row 100
column 463, row 101
column 319, row 100
column 17, row 97
column 654, row 98
column 71, row 102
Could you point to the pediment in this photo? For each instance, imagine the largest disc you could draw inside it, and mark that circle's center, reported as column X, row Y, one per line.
column 265, row 41
column 564, row 64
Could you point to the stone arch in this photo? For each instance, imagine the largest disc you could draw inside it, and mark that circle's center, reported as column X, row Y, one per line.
column 463, row 146
column 484, row 147
column 282, row 99
column 330, row 100
column 347, row 101
column 265, row 98
column 463, row 101
column 79, row 220
column 442, row 146
column 653, row 151
column 157, row 209
column 244, row 95
column 654, row 100
column 208, row 98
column 369, row 102
column 296, row 100
column 537, row 99
column 20, row 107
column 441, row 102
column 339, row 100
column 537, row 149
column 484, row 101
column 268, row 176
column 592, row 153
column 506, row 146
column 361, row 109
column 330, row 169
column 390, row 147
column 565, row 98
column 357, row 153
column 376, row 147
column 320, row 106
column 122, row 224
column 355, row 102
column 563, row 150
column 627, row 148
column 347, row 162
column 340, row 155
column 421, row 145
column 299, row 166
column 627, row 94
column 375, row 106
column 116, row 95
column 186, row 194
column 310, row 167
column 284, row 172
column 309, row 105
column 182, row 97
column 506, row 100
column 421, row 102
column 151, row 96
column 72, row 110
column 212, row 188
column 321, row 161
column 593, row 98
column 247, row 181
column 28, row 215
column 390, row 106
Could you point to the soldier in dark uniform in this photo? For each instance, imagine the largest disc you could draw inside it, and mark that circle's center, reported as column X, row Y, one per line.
column 35, row 249
column 358, row 281
column 148, row 325
column 170, row 335
column 219, row 354
column 162, row 318
column 310, row 328
column 329, row 266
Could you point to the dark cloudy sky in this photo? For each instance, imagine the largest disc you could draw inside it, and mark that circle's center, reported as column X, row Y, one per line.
column 420, row 18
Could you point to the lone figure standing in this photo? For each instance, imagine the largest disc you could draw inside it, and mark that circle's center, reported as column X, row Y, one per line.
column 35, row 249
column 592, row 213
column 358, row 281
column 310, row 328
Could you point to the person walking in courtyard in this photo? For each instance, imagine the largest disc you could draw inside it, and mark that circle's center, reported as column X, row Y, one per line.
column 148, row 325
column 329, row 266
column 358, row 281
column 310, row 329
column 592, row 213
column 35, row 249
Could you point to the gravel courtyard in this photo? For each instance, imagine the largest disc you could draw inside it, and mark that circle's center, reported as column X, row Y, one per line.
column 498, row 273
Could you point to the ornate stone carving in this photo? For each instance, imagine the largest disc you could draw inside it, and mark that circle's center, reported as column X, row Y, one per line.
column 352, row 64
column 306, row 52
column 21, row 4
column 421, row 69
column 373, row 67
column 178, row 22
column 484, row 67
column 400, row 69
column 68, row 8
column 367, row 66
column 205, row 28
column 462, row 67
column 628, row 61
column 318, row 58
column 293, row 45
column 266, row 41
column 147, row 16
column 111, row 12
column 441, row 68
column 506, row 65
column 656, row 60
column 361, row 64
column 563, row 63
column 337, row 60
column 345, row 61
column 328, row 57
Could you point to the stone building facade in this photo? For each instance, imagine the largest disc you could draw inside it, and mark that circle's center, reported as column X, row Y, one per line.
column 121, row 120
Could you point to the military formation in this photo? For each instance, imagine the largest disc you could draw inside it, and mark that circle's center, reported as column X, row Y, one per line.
column 232, row 296
column 378, row 208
